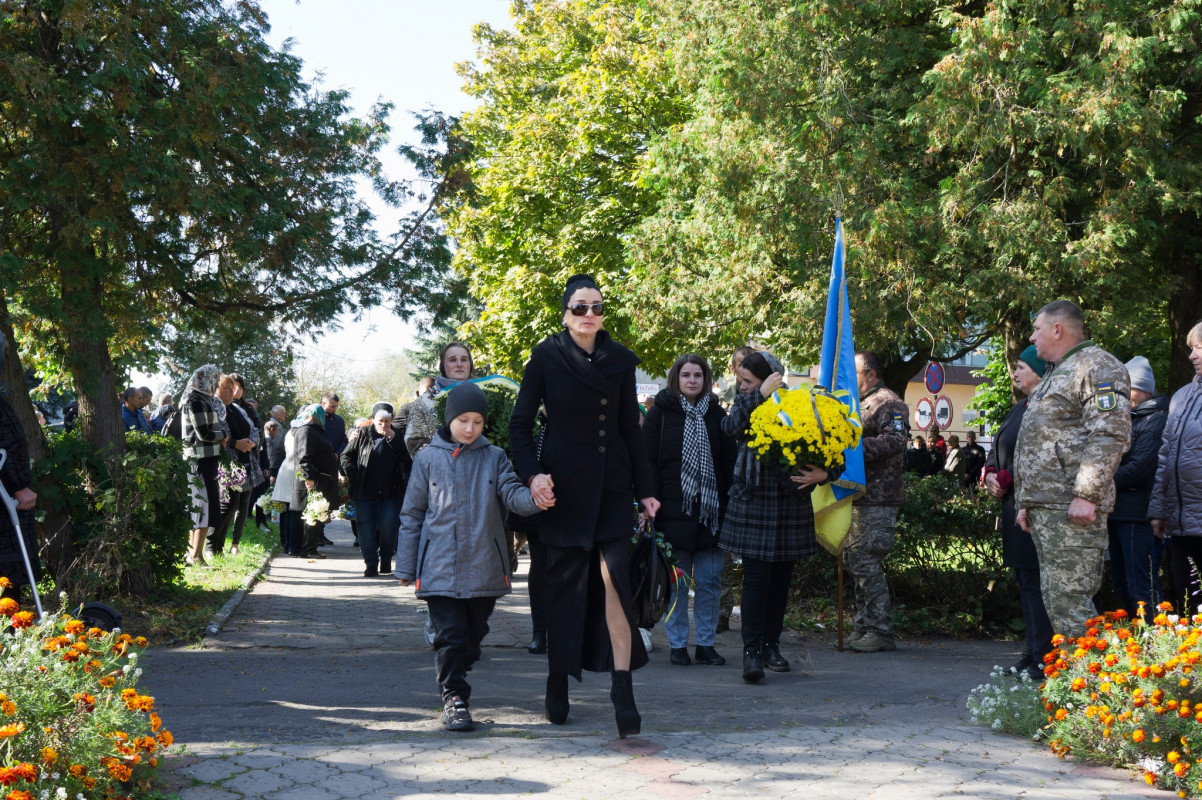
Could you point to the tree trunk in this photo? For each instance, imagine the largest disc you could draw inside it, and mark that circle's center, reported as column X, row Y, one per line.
column 1184, row 303
column 91, row 367
column 1016, row 336
column 56, row 529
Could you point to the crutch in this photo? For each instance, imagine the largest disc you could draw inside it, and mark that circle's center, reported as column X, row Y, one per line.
column 11, row 505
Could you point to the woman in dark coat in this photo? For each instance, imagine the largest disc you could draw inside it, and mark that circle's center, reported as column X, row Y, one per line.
column 19, row 484
column 686, row 447
column 318, row 467
column 377, row 465
column 592, row 466
column 769, row 522
column 1018, row 549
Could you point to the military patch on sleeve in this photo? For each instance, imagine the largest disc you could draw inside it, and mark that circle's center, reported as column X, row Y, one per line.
column 899, row 423
column 1104, row 397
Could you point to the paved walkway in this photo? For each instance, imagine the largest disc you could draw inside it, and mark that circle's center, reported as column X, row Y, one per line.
column 321, row 686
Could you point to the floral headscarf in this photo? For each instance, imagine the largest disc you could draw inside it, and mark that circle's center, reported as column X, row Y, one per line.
column 204, row 380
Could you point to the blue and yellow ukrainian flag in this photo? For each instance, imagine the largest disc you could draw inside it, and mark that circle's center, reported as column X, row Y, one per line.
column 837, row 374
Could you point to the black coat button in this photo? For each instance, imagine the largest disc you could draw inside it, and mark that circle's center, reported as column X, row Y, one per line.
column 600, row 433
column 602, row 418
column 604, row 401
column 601, row 449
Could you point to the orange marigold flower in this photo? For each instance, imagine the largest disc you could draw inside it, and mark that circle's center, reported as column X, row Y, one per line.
column 145, row 703
column 107, row 681
column 141, row 641
column 77, row 770
column 119, row 771
column 22, row 619
column 1138, row 735
column 74, row 626
column 165, row 738
column 1095, row 667
column 1078, row 684
column 49, row 755
column 156, row 722
column 9, row 606
column 1123, row 633
column 1058, row 640
column 1173, row 757
column 1061, row 714
column 9, row 731
column 1150, row 778
column 1180, row 769
column 88, row 782
column 18, row 794
column 1165, row 606
column 8, row 707
column 1119, row 614
column 5, row 583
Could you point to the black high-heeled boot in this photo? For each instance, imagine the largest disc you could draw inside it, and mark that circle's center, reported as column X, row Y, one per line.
column 625, row 714
column 556, row 704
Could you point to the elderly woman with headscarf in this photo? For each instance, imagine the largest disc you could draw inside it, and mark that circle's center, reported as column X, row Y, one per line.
column 317, row 466
column 244, row 438
column 204, row 432
column 769, row 521
column 454, row 365
column 376, row 465
column 1018, row 548
column 18, row 482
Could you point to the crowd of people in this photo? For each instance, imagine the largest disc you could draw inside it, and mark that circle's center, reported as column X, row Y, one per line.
column 1091, row 460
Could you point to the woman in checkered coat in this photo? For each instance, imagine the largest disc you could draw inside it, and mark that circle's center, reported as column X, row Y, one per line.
column 769, row 522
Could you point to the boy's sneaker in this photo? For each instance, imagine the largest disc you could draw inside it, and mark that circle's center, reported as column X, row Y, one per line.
column 456, row 717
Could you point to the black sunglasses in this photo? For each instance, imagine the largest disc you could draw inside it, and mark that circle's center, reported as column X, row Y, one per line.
column 580, row 309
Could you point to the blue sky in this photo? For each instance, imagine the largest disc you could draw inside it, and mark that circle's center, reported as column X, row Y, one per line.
column 402, row 51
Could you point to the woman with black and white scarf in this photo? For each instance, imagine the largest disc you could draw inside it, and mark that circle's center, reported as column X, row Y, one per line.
column 692, row 461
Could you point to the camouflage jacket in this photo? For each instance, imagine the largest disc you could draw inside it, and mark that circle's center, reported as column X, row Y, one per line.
column 886, row 423
column 1075, row 431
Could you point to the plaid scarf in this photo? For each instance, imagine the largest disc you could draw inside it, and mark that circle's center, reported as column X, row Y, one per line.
column 697, row 464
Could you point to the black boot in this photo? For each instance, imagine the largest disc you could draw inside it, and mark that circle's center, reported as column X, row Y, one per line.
column 556, row 703
column 622, row 694
column 771, row 658
column 371, row 572
column 538, row 645
column 753, row 670
column 385, row 566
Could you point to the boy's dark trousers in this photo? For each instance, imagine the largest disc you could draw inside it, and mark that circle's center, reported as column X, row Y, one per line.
column 461, row 625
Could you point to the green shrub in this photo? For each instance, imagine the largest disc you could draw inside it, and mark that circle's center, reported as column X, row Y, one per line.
column 131, row 520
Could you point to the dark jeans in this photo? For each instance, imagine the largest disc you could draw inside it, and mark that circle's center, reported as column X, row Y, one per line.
column 765, row 594
column 536, row 583
column 1135, row 563
column 291, row 531
column 1185, row 564
column 379, row 522
column 233, row 513
column 461, row 624
column 1038, row 633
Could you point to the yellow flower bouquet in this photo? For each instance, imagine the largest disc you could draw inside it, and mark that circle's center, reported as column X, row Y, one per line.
column 805, row 425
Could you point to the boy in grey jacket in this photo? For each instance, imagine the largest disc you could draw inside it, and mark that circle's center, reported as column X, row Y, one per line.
column 452, row 541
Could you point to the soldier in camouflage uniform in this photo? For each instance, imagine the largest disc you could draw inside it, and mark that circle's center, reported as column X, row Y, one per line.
column 1075, row 431
column 886, row 430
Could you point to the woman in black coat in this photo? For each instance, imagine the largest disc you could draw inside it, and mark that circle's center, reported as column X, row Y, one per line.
column 592, row 466
column 1018, row 549
column 318, row 467
column 686, row 446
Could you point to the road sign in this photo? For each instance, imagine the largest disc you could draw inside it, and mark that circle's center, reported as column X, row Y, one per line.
column 924, row 413
column 934, row 377
column 943, row 412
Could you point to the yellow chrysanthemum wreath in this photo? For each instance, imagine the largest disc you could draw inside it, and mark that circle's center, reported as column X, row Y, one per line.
column 800, row 426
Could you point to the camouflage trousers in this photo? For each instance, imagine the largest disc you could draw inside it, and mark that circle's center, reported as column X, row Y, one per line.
column 873, row 531
column 1070, row 566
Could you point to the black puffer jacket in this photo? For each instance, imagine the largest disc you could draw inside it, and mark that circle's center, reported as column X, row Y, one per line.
column 663, row 434
column 358, row 455
column 1137, row 471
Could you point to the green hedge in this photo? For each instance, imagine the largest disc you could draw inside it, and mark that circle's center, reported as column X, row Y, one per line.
column 131, row 521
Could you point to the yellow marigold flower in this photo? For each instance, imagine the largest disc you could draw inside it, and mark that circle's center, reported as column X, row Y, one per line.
column 49, row 755
column 1061, row 714
column 165, row 738
column 106, row 681
column 8, row 707
column 8, row 606
column 74, row 626
column 1180, row 769
column 9, row 731
column 5, row 583
column 156, row 722
column 1173, row 757
column 77, row 770
column 22, row 619
column 1183, row 683
column 1150, row 778
column 1138, row 735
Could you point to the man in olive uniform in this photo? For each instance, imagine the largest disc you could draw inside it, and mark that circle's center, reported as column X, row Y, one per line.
column 885, row 420
column 1075, row 431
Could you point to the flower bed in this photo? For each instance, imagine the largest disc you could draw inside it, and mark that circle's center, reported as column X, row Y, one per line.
column 1126, row 693
column 72, row 722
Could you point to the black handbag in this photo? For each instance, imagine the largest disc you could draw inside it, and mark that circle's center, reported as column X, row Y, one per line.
column 650, row 579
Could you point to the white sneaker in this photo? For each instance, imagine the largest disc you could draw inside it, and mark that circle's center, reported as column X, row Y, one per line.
column 646, row 634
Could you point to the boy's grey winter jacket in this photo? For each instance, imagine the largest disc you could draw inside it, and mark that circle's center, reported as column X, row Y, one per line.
column 1177, row 495
column 452, row 540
